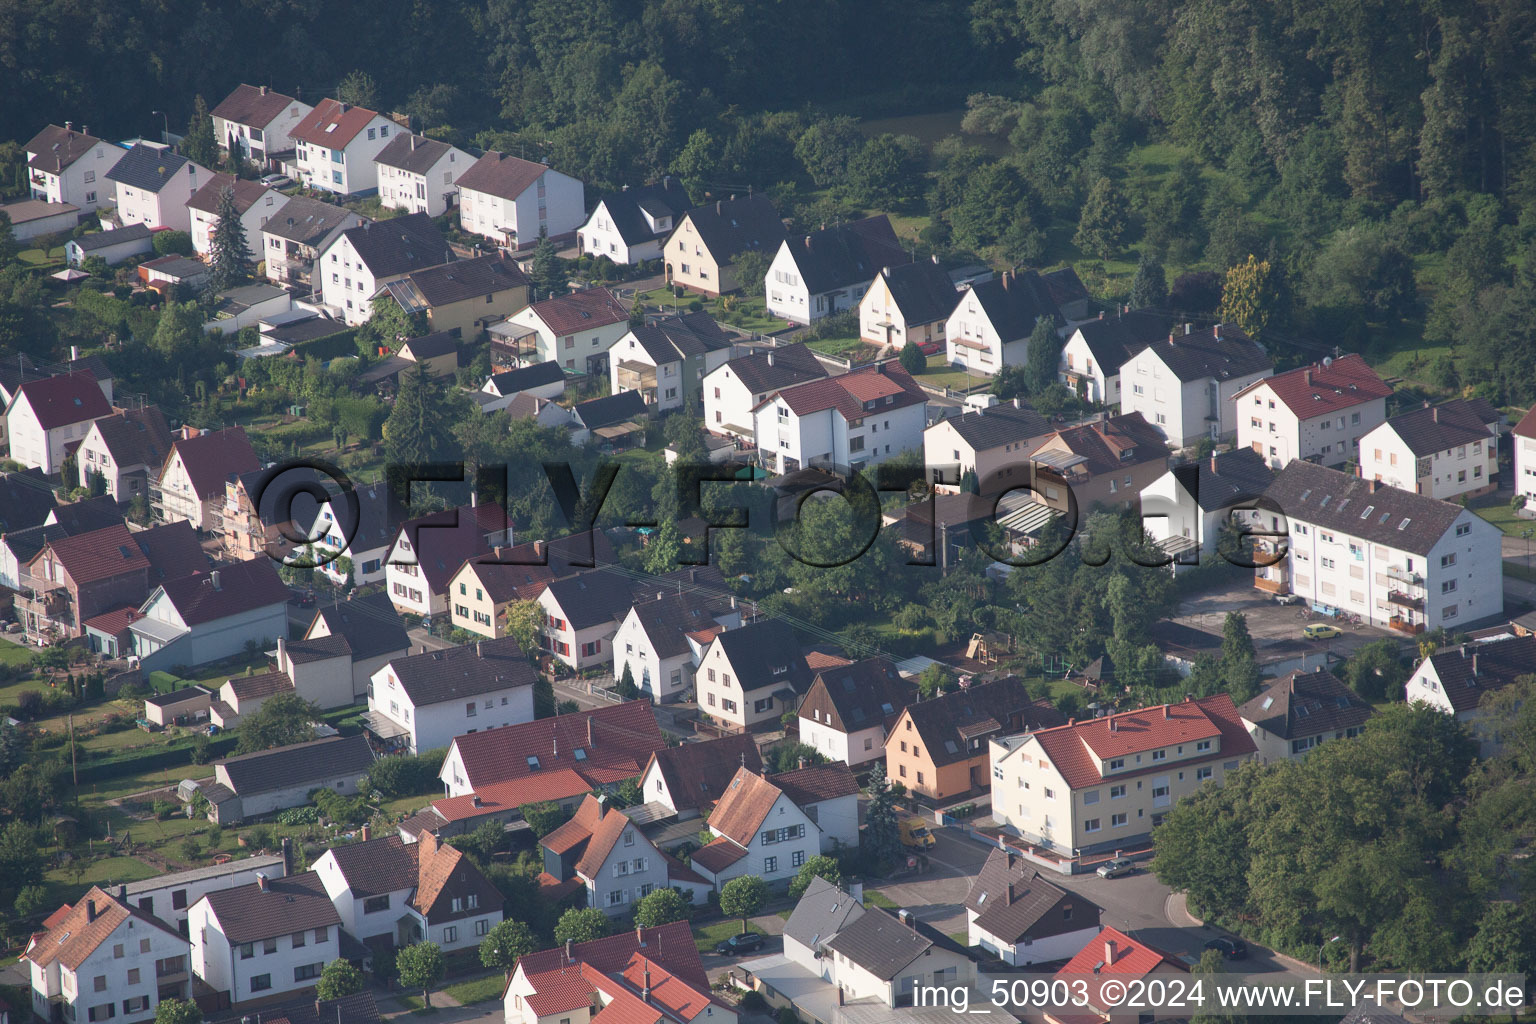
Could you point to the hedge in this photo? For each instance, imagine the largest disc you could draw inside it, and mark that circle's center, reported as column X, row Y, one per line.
column 137, row 762
column 342, row 343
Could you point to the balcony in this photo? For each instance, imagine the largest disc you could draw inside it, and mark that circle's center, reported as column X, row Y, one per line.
column 634, row 376
column 1407, row 576
column 1269, row 586
column 1406, row 625
column 1404, row 600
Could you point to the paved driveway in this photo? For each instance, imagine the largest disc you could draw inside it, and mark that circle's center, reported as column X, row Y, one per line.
column 1268, row 622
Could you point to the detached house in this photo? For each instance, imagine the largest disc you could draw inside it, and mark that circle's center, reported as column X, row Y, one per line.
column 464, row 297
column 154, row 186
column 256, row 123
column 1185, row 386
column 581, row 615
column 574, row 330
column 515, row 202
column 1104, row 783
column 484, row 586
column 65, row 166
column 1096, row 349
column 1318, row 413
column 250, row 785
column 105, row 959
column 293, row 237
column 911, row 302
column 191, row 484
column 831, row 269
column 125, row 450
column 740, row 385
column 701, row 253
column 846, row 712
column 750, row 676
column 870, row 414
column 992, row 321
column 1113, row 956
column 389, row 893
column 604, row 851
column 1455, row 680
column 1108, row 462
column 255, row 203
column 940, row 747
column 1398, row 559
column 421, row 702
column 661, row 641
column 356, row 263
column 666, row 358
column 1446, row 451
column 50, row 416
column 197, row 619
column 1300, row 711
column 687, row 779
column 266, row 939
column 759, row 830
column 992, row 443
column 631, row 225
column 336, row 144
column 416, row 174
column 1022, row 918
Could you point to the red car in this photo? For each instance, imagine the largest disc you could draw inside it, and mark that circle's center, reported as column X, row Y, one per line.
column 931, row 348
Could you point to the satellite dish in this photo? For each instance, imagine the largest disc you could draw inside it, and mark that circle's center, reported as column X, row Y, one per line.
column 1327, row 360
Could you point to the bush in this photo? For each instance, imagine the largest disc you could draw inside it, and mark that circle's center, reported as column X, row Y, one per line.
column 753, row 1002
column 164, row 810
column 259, row 837
column 912, row 358
column 395, row 777
column 787, row 1015
column 299, row 816
column 169, row 243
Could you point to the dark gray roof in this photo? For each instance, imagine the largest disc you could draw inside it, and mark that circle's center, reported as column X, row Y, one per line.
column 777, row 368
column 669, row 339
column 454, row 282
column 136, row 437
column 254, row 105
column 1333, row 500
column 611, row 409
column 1113, row 339
column 1306, row 704
column 455, row 673
column 528, row 377
column 186, row 693
column 822, row 912
column 306, row 221
column 847, row 254
column 665, row 198
column 398, row 246
column 1004, row 423
column 765, row 654
column 1014, row 302
column 955, row 724
column 369, row 624
column 668, row 621
column 103, row 239
column 1010, row 897
column 1222, row 352
column 732, row 226
column 25, row 500
column 922, row 291
column 1225, row 479
column 304, row 330
column 593, row 597
column 1437, row 428
column 429, row 346
column 879, row 943
column 414, row 153
column 1066, row 286
column 249, row 913
column 358, row 1008
column 861, row 694
column 147, row 168
column 318, row 761
column 1471, row 670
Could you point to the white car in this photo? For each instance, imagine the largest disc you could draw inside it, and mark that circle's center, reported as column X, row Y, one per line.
column 1117, row 867
column 277, row 181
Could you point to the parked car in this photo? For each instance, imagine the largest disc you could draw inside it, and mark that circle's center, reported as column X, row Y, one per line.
column 915, row 834
column 930, row 348
column 1117, row 867
column 1232, row 949
column 1321, row 631
column 745, row 942
column 277, row 181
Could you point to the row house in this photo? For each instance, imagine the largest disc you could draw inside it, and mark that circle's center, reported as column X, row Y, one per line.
column 255, row 204
column 153, row 185
column 256, row 123
column 426, row 552
column 1301, row 711
column 1105, row 783
column 701, row 252
column 1096, row 349
column 860, row 418
column 992, row 321
column 335, row 145
column 127, row 450
column 749, row 677
column 485, row 586
column 1184, row 386
column 515, row 202
column 661, row 642
column 293, row 237
column 354, row 264
column 631, row 225
column 69, row 166
column 1397, row 559
column 421, row 702
column 666, row 358
column 1447, row 451
column 847, row 712
column 191, row 484
column 911, row 302
column 830, row 270
column 734, row 389
column 1318, row 413
column 341, row 649
column 416, row 174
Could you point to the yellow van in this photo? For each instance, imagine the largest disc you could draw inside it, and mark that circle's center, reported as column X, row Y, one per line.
column 915, row 834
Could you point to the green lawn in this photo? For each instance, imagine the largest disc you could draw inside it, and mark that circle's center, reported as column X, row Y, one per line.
column 940, row 374
column 747, row 312
column 1495, row 509
column 14, row 654
column 708, row 936
column 478, row 990
column 875, row 898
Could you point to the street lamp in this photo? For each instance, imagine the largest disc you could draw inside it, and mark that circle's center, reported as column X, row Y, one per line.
column 165, row 136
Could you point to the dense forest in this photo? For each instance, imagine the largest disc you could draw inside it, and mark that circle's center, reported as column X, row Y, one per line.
column 1377, row 159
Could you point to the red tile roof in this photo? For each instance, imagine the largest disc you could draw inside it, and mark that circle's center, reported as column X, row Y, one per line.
column 580, row 311
column 743, row 806
column 559, row 990
column 497, row 174
column 667, row 991
column 718, row 855
column 671, row 946
column 576, row 831
column 113, row 623
column 98, row 555
column 1076, row 748
column 1320, row 389
column 1527, row 425
column 253, row 105
column 1114, row 952
column 594, row 829
column 210, row 458
column 65, row 399
column 71, row 934
column 347, row 119
column 851, row 394
column 620, row 737
column 560, row 784
column 230, row 590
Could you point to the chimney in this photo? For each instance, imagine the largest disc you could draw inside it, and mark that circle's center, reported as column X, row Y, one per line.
column 639, row 935
column 1434, row 414
column 645, row 993
column 1007, row 276
column 367, row 832
column 122, row 890
column 1101, row 314
column 261, row 881
column 1171, row 338
column 345, row 107
column 1213, row 462
column 935, row 259
column 1372, row 485
column 1216, row 331
column 538, row 549
column 904, row 916
column 282, row 651
column 1109, row 951
column 1474, row 665
column 479, row 649
column 69, row 126
column 263, row 90
column 1018, row 403
column 800, row 763
column 1114, row 726
column 476, row 801
column 413, row 143
column 1306, row 375
column 590, row 743
column 74, row 352
column 90, row 910
column 807, row 243
column 840, row 995
column 570, row 950
column 770, row 357
column 719, row 208
column 213, row 578
column 287, row 848
column 1008, row 894
column 1166, row 713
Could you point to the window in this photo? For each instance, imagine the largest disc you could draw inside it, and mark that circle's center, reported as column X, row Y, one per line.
column 920, row 779
column 1116, row 764
column 261, row 982
column 247, row 950
column 137, row 1004
column 133, row 976
column 298, row 940
column 770, row 865
column 1461, row 531
column 469, row 710
column 1448, row 587
column 268, row 946
column 1117, row 821
column 1116, row 792
column 1091, row 825
column 322, row 934
column 451, row 934
column 1159, row 755
column 1091, row 797
column 373, row 905
column 1202, row 746
column 1203, row 773
column 117, row 951
column 482, row 926
column 100, row 984
column 797, row 859
column 106, row 1012
column 1050, row 794
column 305, row 972
column 1446, row 561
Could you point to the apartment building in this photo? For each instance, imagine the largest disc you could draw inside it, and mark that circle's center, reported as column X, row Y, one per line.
column 1445, row 451
column 416, row 174
column 514, row 201
column 1318, row 412
column 1525, row 455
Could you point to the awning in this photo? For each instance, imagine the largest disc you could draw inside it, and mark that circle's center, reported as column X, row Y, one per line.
column 617, row 430
column 383, row 727
column 1061, row 461
column 649, row 813
column 1029, row 519
column 162, row 633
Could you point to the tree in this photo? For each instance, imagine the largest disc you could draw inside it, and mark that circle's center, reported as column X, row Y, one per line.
column 1149, row 288
column 359, row 89
column 1235, row 638
column 507, row 943
column 882, row 832
column 488, row 839
column 282, row 719
column 421, row 966
column 819, row 866
column 420, row 427
column 179, row 1011
column 742, row 897
column 1249, row 298
column 582, row 924
column 543, row 817
column 1377, row 671
column 661, row 906
column 229, row 258
column 1042, row 356
column 9, row 247
column 179, row 333
column 934, row 680
column 172, row 243
column 21, row 860
column 199, row 144
column 340, row 978
column 1510, row 714
column 30, row 899
column 751, row 270
column 825, row 148
column 1101, row 226
column 548, row 272
column 912, row 359
column 887, row 170
column 1505, row 940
